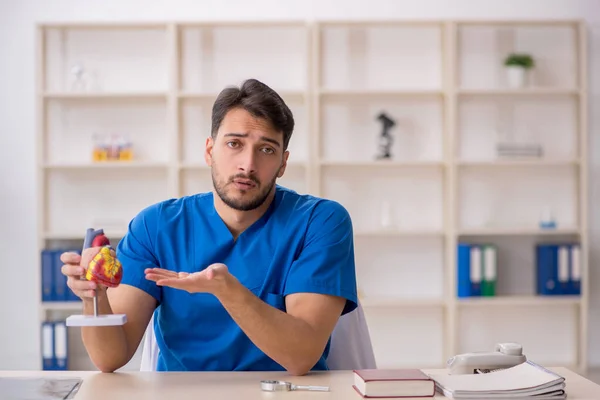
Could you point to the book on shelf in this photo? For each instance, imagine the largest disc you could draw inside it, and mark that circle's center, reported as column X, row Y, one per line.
column 527, row 380
column 390, row 383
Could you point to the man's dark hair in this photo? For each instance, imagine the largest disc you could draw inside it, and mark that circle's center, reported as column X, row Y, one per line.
column 259, row 100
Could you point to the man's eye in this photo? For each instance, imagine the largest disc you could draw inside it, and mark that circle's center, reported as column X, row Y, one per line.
column 232, row 144
column 268, row 150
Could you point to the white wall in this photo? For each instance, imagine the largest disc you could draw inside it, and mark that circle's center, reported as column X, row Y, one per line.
column 18, row 302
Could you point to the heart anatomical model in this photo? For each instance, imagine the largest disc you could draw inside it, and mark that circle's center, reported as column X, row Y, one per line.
column 104, row 267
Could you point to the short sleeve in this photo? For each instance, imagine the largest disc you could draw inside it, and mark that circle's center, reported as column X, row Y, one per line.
column 326, row 263
column 136, row 251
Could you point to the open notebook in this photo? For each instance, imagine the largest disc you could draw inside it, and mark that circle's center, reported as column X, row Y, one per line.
column 524, row 381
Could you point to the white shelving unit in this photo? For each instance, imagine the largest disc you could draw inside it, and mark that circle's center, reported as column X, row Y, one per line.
column 443, row 84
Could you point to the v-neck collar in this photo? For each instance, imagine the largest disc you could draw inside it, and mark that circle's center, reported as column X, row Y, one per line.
column 222, row 229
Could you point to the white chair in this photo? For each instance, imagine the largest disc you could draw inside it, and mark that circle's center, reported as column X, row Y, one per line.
column 350, row 344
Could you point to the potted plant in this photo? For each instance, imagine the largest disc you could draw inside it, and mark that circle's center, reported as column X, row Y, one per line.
column 517, row 68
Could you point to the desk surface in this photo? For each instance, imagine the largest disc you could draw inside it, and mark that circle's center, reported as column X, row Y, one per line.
column 239, row 385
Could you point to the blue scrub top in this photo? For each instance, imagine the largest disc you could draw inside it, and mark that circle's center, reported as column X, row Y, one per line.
column 301, row 244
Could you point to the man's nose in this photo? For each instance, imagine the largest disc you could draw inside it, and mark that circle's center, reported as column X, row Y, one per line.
column 247, row 162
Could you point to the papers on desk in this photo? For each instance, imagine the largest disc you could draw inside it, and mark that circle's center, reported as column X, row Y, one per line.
column 524, row 381
column 39, row 388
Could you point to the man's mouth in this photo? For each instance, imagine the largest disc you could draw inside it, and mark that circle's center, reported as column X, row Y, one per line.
column 244, row 184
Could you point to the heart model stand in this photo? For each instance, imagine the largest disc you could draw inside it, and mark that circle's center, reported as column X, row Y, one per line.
column 104, row 269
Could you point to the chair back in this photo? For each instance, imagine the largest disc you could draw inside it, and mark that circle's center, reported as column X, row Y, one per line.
column 350, row 344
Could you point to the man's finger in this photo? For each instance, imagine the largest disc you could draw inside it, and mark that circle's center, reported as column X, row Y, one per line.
column 72, row 270
column 70, row 258
column 174, row 283
column 78, row 284
column 161, row 271
column 154, row 277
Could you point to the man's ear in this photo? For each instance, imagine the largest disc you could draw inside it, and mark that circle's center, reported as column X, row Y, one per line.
column 283, row 164
column 208, row 150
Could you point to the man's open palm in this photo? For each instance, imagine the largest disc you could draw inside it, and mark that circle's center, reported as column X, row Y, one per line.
column 206, row 281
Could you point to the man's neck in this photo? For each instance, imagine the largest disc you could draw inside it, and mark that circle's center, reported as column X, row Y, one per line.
column 238, row 221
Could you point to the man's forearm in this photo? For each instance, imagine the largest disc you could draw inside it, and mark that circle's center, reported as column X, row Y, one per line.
column 288, row 340
column 106, row 345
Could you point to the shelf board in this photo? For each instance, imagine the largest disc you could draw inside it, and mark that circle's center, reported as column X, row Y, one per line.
column 80, row 235
column 518, row 92
column 261, row 24
column 353, row 23
column 197, row 166
column 398, row 232
column 518, row 162
column 380, row 92
column 105, row 95
column 106, row 165
column 382, row 163
column 374, row 302
column 61, row 305
column 517, row 23
column 517, row 231
column 285, row 94
column 133, row 25
column 519, row 301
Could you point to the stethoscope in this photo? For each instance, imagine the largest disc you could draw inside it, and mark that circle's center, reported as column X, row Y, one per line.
column 282, row 386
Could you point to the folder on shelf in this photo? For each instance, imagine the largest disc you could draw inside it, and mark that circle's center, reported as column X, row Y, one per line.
column 546, row 268
column 558, row 268
column 47, row 346
column 47, row 269
column 60, row 345
column 575, row 276
column 464, row 270
column 477, row 270
column 60, row 281
column 54, row 283
column 489, row 267
column 563, row 273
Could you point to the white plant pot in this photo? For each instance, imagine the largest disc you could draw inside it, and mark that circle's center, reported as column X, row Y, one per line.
column 516, row 77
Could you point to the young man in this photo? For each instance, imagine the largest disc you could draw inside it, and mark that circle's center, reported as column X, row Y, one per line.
column 251, row 276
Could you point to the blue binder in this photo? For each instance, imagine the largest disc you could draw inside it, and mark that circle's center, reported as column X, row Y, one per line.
column 575, row 270
column 558, row 269
column 464, row 270
column 547, row 269
column 47, row 346
column 60, row 281
column 70, row 295
column 47, row 267
column 60, row 345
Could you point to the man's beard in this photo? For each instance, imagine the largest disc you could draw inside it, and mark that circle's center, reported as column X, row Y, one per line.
column 243, row 204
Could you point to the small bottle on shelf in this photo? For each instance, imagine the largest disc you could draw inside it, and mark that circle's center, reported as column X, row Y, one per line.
column 99, row 152
column 125, row 149
column 547, row 220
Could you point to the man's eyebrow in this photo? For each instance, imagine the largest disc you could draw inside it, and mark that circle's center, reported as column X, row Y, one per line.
column 244, row 135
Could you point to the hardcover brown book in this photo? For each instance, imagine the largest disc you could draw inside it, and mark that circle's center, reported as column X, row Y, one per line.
column 398, row 383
